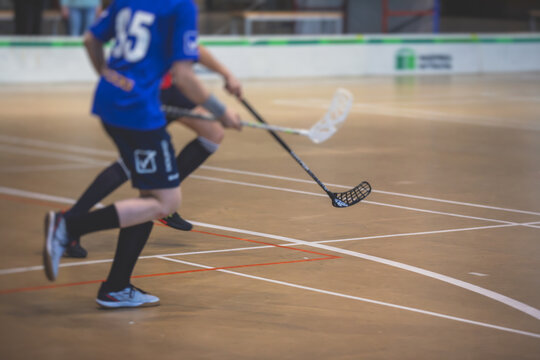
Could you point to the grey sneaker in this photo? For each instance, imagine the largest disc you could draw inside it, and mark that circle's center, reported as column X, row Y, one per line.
column 128, row 297
column 56, row 241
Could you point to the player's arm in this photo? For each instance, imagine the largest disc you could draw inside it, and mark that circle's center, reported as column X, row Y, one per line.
column 232, row 84
column 185, row 79
column 94, row 49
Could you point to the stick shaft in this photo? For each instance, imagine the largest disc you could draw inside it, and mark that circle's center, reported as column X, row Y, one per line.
column 286, row 147
column 187, row 113
column 283, row 129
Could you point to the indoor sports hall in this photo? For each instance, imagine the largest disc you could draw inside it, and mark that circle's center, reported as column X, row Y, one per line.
column 438, row 110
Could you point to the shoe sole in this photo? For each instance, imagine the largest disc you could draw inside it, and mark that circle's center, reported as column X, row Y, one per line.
column 47, row 259
column 177, row 227
column 105, row 305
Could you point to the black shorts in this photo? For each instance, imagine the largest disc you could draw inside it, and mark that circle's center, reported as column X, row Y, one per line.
column 174, row 97
column 148, row 155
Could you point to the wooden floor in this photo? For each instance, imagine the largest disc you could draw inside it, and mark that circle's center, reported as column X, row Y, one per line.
column 442, row 261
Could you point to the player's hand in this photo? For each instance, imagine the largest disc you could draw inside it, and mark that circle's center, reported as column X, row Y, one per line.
column 233, row 86
column 231, row 119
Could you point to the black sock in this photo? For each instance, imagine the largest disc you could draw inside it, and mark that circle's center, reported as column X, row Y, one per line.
column 106, row 182
column 191, row 157
column 131, row 241
column 102, row 219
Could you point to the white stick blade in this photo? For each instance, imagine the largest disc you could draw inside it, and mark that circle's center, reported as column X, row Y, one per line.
column 334, row 117
column 340, row 107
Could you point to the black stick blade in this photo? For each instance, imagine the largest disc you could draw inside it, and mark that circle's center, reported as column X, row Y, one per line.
column 351, row 197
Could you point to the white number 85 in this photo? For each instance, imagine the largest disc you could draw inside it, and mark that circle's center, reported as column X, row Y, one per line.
column 132, row 50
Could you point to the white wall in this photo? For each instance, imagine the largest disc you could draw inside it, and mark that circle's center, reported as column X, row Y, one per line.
column 370, row 56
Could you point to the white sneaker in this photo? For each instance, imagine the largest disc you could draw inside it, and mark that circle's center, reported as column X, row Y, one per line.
column 56, row 241
column 128, row 297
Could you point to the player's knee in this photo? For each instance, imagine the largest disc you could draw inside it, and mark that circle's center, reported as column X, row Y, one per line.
column 170, row 203
column 214, row 133
column 217, row 135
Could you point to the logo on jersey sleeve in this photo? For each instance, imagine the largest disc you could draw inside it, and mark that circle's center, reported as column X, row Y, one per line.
column 145, row 161
column 191, row 47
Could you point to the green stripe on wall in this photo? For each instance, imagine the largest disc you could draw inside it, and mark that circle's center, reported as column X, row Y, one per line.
column 301, row 41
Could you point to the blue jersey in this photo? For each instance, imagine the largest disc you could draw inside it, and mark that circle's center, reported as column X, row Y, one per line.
column 149, row 37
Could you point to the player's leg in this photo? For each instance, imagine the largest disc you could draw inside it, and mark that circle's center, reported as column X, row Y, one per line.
column 192, row 156
column 105, row 183
column 117, row 290
column 156, row 174
column 209, row 136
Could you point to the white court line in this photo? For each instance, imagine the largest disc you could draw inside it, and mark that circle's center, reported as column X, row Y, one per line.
column 459, row 283
column 488, row 293
column 15, row 140
column 84, row 150
column 39, row 196
column 50, row 154
column 416, row 114
column 415, row 233
column 34, row 195
column 30, row 194
column 420, row 233
column 33, row 168
column 374, row 190
column 351, row 297
column 93, row 262
column 364, row 201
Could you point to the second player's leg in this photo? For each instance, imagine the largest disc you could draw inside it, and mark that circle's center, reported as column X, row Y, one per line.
column 153, row 204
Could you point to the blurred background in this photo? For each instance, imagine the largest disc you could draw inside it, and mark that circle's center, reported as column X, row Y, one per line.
column 238, row 17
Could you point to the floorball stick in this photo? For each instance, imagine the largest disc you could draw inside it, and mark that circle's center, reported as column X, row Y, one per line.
column 340, row 200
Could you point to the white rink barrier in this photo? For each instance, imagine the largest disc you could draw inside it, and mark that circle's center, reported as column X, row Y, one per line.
column 62, row 59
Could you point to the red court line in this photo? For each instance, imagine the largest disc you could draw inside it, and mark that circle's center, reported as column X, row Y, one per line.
column 265, row 243
column 55, row 286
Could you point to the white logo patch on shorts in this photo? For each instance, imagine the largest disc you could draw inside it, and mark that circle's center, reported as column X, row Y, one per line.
column 166, row 155
column 145, row 161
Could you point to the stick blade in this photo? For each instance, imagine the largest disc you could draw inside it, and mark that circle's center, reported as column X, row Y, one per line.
column 339, row 108
column 321, row 132
column 334, row 118
column 351, row 197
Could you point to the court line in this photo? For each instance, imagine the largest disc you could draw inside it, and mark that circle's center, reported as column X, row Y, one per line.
column 225, row 270
column 57, row 286
column 35, row 195
column 54, row 167
column 241, row 172
column 415, row 233
column 16, row 140
column 376, row 302
column 459, row 283
column 429, row 115
column 50, row 154
column 93, row 262
column 527, row 309
column 92, row 151
column 265, row 246
column 243, row 183
column 6, row 190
